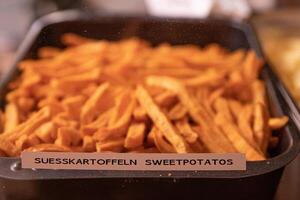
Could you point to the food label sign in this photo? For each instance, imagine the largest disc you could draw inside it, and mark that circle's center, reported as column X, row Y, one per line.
column 134, row 161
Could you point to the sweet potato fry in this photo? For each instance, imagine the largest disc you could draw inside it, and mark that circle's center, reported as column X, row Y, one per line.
column 92, row 106
column 162, row 145
column 236, row 57
column 140, row 114
column 277, row 123
column 100, row 122
column 120, row 109
column 212, row 143
column 177, row 112
column 215, row 95
column 262, row 132
column 9, row 148
column 114, row 132
column 11, row 117
column 46, row 132
column 116, row 145
column 53, row 105
column 21, row 143
column 235, row 108
column 48, row 52
column 259, row 92
column 71, row 39
column 89, row 144
column 67, row 136
column 72, row 105
column 135, row 135
column 251, row 66
column 33, row 140
column 186, row 131
column 118, row 128
column 165, row 99
column 245, row 119
column 221, row 105
column 236, row 138
column 64, row 120
column 150, row 138
column 48, row 148
column 161, row 121
column 209, row 78
column 25, row 104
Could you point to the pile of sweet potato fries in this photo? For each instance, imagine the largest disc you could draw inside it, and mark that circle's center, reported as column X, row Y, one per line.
column 127, row 96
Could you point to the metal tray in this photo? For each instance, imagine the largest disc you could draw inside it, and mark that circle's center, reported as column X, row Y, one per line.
column 259, row 181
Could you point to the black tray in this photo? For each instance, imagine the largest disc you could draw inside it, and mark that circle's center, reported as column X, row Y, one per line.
column 259, row 181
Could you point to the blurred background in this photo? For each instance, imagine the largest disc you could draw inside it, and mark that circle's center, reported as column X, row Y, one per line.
column 17, row 15
column 277, row 23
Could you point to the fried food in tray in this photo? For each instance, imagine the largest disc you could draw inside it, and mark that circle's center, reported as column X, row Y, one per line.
column 128, row 96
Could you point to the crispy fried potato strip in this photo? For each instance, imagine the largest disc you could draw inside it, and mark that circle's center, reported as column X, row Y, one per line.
column 161, row 121
column 48, row 148
column 186, row 131
column 135, row 136
column 94, row 105
column 261, row 129
column 11, row 117
column 160, row 142
column 278, row 122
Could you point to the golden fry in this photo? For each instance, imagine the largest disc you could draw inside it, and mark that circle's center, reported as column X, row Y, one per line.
column 244, row 120
column 48, row 52
column 150, row 138
column 140, row 114
column 186, row 131
column 262, row 132
column 210, row 78
column 177, row 112
column 91, row 107
column 161, row 121
column 67, row 136
column 48, row 148
column 135, row 136
column 162, row 145
column 165, row 99
column 74, row 39
column 116, row 145
column 46, row 132
column 89, row 144
column 277, row 123
column 11, row 117
column 9, row 148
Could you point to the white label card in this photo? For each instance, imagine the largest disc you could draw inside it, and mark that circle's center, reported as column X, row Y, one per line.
column 134, row 161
